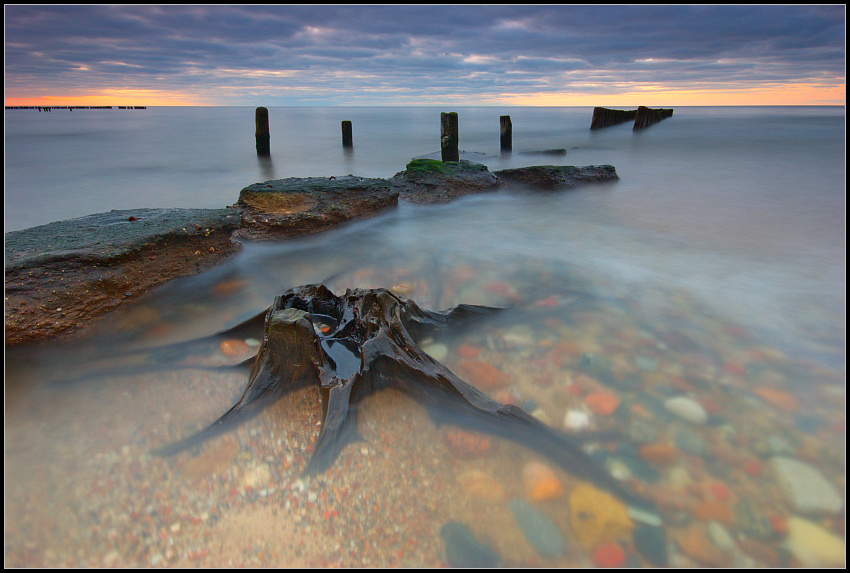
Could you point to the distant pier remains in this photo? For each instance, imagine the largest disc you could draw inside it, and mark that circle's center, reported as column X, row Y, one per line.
column 642, row 116
column 647, row 116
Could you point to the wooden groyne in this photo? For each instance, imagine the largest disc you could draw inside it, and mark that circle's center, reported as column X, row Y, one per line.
column 647, row 116
column 642, row 116
column 604, row 117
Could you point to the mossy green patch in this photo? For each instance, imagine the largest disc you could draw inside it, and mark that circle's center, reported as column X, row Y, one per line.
column 429, row 166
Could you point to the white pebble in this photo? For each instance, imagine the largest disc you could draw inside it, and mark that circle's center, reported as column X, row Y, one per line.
column 576, row 420
column 436, row 351
column 687, row 409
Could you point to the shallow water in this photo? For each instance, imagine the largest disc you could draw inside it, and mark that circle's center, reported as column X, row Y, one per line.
column 696, row 275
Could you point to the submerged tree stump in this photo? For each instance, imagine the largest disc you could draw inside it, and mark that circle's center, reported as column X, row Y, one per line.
column 364, row 341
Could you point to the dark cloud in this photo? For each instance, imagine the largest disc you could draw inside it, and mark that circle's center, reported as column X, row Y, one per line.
column 396, row 53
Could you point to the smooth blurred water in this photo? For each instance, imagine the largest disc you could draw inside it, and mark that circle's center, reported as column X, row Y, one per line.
column 718, row 257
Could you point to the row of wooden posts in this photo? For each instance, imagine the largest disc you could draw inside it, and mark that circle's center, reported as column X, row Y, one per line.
column 449, row 130
column 448, row 134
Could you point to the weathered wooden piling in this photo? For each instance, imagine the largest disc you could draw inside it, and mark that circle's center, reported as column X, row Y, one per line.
column 604, row 117
column 346, row 134
column 506, row 132
column 449, row 136
column 647, row 116
column 261, row 118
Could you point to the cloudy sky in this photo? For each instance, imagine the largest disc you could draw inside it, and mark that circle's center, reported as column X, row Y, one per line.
column 425, row 55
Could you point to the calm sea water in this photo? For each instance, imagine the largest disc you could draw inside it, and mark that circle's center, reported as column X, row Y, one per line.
column 744, row 206
column 715, row 263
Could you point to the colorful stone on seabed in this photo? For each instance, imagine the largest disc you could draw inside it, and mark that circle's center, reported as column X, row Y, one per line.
column 609, row 555
column 597, row 516
column 813, row 545
column 602, row 403
column 687, row 409
column 779, row 399
column 541, row 483
column 576, row 420
column 805, row 488
column 543, row 535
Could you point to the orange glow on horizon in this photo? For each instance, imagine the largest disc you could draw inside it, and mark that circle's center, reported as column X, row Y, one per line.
column 791, row 94
column 113, row 98
column 655, row 96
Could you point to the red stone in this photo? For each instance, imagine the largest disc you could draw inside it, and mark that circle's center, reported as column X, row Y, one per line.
column 609, row 555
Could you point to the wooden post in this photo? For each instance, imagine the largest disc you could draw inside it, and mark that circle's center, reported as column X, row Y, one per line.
column 346, row 134
column 449, row 136
column 261, row 118
column 506, row 132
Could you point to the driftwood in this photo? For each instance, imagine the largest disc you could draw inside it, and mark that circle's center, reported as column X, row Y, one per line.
column 362, row 342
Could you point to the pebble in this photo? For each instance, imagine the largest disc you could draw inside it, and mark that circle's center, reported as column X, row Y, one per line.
column 436, row 351
column 482, row 375
column 695, row 542
column 602, row 403
column 576, row 420
column 721, row 537
column 687, row 409
column 543, row 535
column 464, row 550
column 541, row 415
column 660, row 454
column 813, row 545
column 540, row 482
column 805, row 488
column 597, row 516
column 609, row 555
column 644, row 516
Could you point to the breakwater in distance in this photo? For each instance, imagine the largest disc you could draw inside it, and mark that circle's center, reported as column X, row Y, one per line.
column 73, row 107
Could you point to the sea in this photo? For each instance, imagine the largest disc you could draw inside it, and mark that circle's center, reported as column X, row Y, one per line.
column 713, row 270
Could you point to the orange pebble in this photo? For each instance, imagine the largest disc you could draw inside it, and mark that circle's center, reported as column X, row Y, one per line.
column 714, row 511
column 661, row 454
column 468, row 351
column 779, row 399
column 546, row 489
column 602, row 403
column 233, row 348
column 541, row 482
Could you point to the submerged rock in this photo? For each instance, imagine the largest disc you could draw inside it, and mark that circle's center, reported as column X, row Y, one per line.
column 558, row 176
column 435, row 181
column 298, row 206
column 464, row 550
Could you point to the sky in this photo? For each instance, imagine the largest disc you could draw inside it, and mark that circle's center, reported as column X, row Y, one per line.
column 379, row 55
